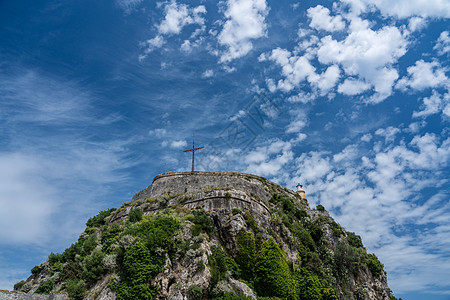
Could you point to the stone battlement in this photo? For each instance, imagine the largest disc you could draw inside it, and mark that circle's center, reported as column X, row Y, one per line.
column 212, row 191
column 190, row 182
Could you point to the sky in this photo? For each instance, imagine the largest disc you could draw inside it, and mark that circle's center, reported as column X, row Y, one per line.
column 349, row 98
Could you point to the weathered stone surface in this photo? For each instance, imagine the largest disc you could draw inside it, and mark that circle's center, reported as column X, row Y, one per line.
column 187, row 182
column 13, row 295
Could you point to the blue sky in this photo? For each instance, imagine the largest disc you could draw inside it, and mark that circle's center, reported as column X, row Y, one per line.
column 350, row 98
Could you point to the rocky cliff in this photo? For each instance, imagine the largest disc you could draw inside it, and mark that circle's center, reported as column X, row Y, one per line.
column 218, row 235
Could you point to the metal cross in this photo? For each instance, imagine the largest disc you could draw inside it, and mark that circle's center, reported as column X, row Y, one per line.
column 193, row 151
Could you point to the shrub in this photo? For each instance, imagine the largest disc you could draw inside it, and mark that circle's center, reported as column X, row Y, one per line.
column 316, row 232
column 246, row 255
column 354, row 240
column 310, row 286
column 56, row 267
column 320, row 207
column 135, row 215
column 70, row 253
column 157, row 232
column 329, row 294
column 139, row 266
column 35, row 270
column 19, row 285
column 335, row 229
column 233, row 296
column 75, row 289
column 227, row 195
column 272, row 274
column 90, row 244
column 195, row 292
column 374, row 265
column 109, row 236
column 71, row 270
column 54, row 258
column 46, row 287
column 236, row 211
column 347, row 258
column 203, row 222
column 94, row 267
column 99, row 219
column 250, row 221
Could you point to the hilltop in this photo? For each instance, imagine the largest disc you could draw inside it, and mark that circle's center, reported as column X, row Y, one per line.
column 212, row 235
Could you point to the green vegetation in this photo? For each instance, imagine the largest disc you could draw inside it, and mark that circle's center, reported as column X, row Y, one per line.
column 320, row 208
column 19, row 285
column 201, row 223
column 135, row 215
column 272, row 274
column 348, row 258
column 75, row 289
column 139, row 266
column 35, row 270
column 132, row 252
column 46, row 287
column 233, row 296
column 354, row 240
column 99, row 219
column 246, row 256
column 93, row 267
column 374, row 265
column 195, row 292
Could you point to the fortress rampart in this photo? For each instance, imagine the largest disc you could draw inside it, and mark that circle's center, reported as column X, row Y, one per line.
column 189, row 182
column 13, row 295
column 212, row 191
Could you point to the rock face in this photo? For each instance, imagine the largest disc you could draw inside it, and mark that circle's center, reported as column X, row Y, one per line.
column 198, row 235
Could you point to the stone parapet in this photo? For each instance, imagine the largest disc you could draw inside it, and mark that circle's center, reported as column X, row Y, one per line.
column 174, row 183
column 13, row 295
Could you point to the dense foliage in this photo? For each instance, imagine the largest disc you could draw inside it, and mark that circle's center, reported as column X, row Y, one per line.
column 132, row 253
column 99, row 219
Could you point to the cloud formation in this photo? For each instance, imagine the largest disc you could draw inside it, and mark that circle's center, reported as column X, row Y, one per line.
column 245, row 21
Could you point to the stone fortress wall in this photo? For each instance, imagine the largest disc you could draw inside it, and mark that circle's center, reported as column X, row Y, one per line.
column 188, row 182
column 7, row 295
column 213, row 191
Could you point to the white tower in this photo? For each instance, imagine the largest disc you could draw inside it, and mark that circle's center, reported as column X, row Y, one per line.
column 301, row 191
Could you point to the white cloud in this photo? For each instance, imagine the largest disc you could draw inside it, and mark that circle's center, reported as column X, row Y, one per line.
column 321, row 19
column 443, row 43
column 432, row 105
column 268, row 161
column 424, row 75
column 177, row 16
column 208, row 74
column 178, row 144
column 416, row 23
column 353, row 87
column 388, row 133
column 366, row 138
column 367, row 54
column 404, row 8
column 296, row 69
column 295, row 126
column 158, row 132
column 245, row 22
column 327, row 80
column 128, row 5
